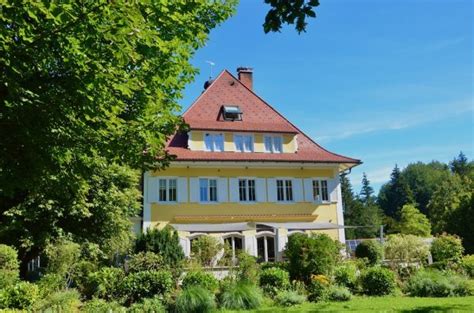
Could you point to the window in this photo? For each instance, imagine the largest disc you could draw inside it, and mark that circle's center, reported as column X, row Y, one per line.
column 284, row 190
column 235, row 244
column 231, row 113
column 273, row 144
column 246, row 190
column 167, row 190
column 208, row 190
column 243, row 143
column 320, row 190
column 214, row 142
column 266, row 248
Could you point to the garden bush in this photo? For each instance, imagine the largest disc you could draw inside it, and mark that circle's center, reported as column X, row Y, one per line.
column 378, row 281
column 62, row 256
column 338, row 293
column 240, row 296
column 61, row 301
column 9, row 266
column 467, row 264
column 51, row 283
column 102, row 306
column 22, row 295
column 201, row 278
column 447, row 249
column 80, row 274
column 282, row 265
column 346, row 275
column 146, row 284
column 148, row 305
column 204, row 250
column 434, row 283
column 146, row 261
column 195, row 300
column 311, row 255
column 370, row 250
column 317, row 288
column 248, row 269
column 164, row 242
column 105, row 283
column 274, row 279
column 289, row 298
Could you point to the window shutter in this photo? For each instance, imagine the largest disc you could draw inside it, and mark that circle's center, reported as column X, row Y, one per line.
column 222, row 194
column 298, row 189
column 234, row 189
column 268, row 143
column 277, row 145
column 182, row 189
column 152, row 192
column 194, row 189
column 332, row 188
column 272, row 190
column 219, row 142
column 308, row 189
column 260, row 190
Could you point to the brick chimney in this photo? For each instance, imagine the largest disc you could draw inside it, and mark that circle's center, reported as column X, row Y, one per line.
column 246, row 76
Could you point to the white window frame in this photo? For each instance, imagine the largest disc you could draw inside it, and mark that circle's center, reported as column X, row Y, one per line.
column 209, row 189
column 247, row 189
column 233, row 236
column 272, row 143
column 319, row 198
column 265, row 235
column 242, row 137
column 215, row 146
column 167, row 189
column 285, row 191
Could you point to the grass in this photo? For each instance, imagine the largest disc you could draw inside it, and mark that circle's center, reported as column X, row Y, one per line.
column 388, row 304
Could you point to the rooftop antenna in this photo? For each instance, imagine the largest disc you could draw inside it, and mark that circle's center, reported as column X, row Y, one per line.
column 211, row 64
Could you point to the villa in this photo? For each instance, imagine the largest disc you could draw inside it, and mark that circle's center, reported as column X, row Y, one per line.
column 245, row 174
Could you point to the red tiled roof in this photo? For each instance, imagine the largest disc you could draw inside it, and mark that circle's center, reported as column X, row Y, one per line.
column 258, row 116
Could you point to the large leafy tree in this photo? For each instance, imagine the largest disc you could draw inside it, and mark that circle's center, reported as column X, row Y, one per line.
column 395, row 194
column 88, row 91
column 413, row 222
column 289, row 12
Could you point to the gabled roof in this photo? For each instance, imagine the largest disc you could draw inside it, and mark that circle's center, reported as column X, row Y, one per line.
column 258, row 116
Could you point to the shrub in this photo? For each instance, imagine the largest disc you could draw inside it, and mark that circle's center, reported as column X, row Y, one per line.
column 370, row 250
column 201, row 278
column 151, row 305
column 51, row 283
column 102, row 306
column 434, row 283
column 338, row 293
column 146, row 261
column 248, row 269
column 413, row 222
column 378, row 281
column 274, row 279
column 311, row 255
column 346, row 275
column 317, row 288
column 62, row 256
column 447, row 248
column 205, row 249
column 105, row 283
column 61, row 301
column 402, row 250
column 467, row 264
column 289, row 298
column 164, row 242
column 240, row 296
column 80, row 274
column 146, row 284
column 19, row 296
column 195, row 300
column 9, row 266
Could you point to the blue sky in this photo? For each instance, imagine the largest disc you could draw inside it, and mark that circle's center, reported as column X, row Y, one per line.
column 384, row 81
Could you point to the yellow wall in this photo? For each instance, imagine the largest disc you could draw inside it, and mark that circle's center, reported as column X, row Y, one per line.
column 196, row 141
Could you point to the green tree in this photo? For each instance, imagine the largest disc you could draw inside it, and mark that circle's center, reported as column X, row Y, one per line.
column 413, row 222
column 366, row 193
column 461, row 165
column 164, row 242
column 289, row 12
column 395, row 194
column 88, row 91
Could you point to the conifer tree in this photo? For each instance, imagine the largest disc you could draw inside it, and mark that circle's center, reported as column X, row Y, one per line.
column 395, row 194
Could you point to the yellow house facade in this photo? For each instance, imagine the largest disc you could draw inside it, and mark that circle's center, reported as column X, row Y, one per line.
column 244, row 174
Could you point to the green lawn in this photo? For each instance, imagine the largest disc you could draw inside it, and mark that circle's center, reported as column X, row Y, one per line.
column 383, row 304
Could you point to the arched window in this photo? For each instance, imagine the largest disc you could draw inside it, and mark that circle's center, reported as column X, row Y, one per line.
column 235, row 242
column 266, row 246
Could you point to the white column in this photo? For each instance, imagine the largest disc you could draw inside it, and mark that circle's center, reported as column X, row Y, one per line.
column 281, row 240
column 340, row 214
column 146, row 203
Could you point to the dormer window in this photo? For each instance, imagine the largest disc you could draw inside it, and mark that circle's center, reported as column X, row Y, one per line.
column 231, row 113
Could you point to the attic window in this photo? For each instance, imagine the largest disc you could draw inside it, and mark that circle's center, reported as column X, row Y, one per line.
column 231, row 113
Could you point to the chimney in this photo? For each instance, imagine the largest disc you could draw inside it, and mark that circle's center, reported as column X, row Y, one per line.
column 246, row 76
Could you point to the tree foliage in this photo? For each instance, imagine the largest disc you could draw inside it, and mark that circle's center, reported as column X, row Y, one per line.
column 395, row 194
column 164, row 242
column 289, row 12
column 88, row 90
column 413, row 222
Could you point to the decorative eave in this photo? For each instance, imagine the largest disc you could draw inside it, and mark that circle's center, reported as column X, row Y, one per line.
column 244, row 218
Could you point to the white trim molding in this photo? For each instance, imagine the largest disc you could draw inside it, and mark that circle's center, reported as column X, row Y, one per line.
column 146, row 203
